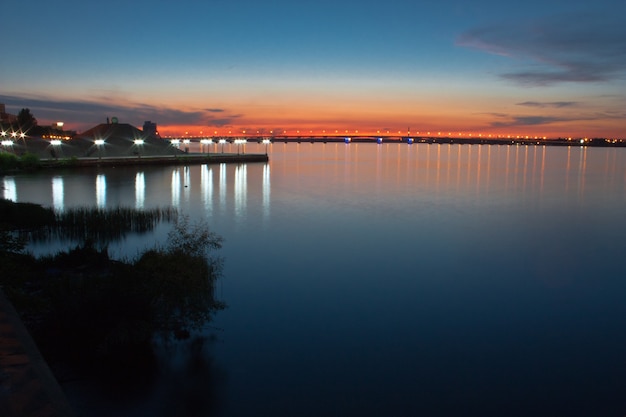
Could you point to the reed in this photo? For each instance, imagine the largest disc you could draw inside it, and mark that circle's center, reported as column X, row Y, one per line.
column 101, row 225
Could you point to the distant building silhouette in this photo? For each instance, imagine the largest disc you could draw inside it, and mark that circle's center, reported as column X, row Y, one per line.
column 5, row 117
column 150, row 128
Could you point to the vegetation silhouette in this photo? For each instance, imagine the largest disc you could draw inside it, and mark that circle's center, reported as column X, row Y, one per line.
column 11, row 162
column 101, row 225
column 85, row 309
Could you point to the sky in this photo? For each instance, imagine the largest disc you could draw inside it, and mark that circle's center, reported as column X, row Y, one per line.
column 535, row 68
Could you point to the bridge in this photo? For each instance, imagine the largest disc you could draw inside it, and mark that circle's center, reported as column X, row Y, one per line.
column 268, row 139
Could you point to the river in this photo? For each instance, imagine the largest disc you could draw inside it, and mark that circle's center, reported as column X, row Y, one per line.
column 388, row 280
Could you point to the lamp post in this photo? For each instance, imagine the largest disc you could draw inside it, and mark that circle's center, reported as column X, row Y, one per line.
column 7, row 144
column 99, row 143
column 222, row 142
column 266, row 142
column 175, row 144
column 56, row 145
column 206, row 142
column 138, row 143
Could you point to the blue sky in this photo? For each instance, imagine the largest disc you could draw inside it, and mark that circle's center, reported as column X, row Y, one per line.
column 548, row 68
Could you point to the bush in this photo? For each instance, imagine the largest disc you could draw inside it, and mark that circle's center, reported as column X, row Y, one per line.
column 29, row 161
column 20, row 216
column 8, row 161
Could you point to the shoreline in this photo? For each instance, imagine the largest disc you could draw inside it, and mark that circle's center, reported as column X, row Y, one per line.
column 184, row 159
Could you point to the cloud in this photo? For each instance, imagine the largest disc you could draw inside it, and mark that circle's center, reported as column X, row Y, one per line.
column 86, row 113
column 528, row 121
column 222, row 121
column 508, row 120
column 554, row 104
column 567, row 48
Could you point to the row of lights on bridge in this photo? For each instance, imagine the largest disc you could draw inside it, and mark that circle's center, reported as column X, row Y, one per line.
column 378, row 132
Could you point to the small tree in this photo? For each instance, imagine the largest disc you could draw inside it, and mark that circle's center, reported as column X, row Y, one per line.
column 26, row 120
column 182, row 278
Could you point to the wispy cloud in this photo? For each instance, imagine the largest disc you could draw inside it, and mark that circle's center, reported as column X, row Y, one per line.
column 528, row 121
column 222, row 121
column 566, row 48
column 513, row 120
column 551, row 104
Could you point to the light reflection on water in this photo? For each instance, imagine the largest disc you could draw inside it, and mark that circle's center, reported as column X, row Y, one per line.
column 9, row 190
column 57, row 193
column 101, row 190
column 392, row 279
column 140, row 190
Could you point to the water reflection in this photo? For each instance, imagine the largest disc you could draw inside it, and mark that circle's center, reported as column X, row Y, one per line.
column 187, row 183
column 241, row 192
column 266, row 192
column 444, row 170
column 222, row 188
column 206, row 187
column 582, row 168
column 175, row 188
column 140, row 190
column 57, row 193
column 10, row 190
column 101, row 190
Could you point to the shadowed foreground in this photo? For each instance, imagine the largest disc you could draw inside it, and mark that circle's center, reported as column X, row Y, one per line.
column 27, row 386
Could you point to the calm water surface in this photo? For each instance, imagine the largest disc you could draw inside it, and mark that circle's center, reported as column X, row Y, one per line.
column 391, row 280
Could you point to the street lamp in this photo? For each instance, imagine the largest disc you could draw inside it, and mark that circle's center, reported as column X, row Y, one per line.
column 99, row 143
column 240, row 142
column 6, row 144
column 266, row 142
column 222, row 142
column 206, row 142
column 138, row 143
